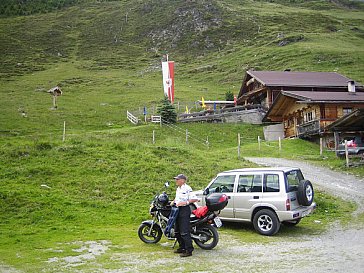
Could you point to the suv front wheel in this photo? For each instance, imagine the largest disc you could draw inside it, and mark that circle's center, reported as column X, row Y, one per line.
column 266, row 222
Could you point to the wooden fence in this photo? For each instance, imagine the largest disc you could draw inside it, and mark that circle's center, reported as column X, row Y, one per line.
column 133, row 119
column 220, row 115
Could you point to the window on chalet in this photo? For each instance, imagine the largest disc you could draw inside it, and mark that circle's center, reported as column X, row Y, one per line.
column 309, row 116
column 347, row 110
column 288, row 122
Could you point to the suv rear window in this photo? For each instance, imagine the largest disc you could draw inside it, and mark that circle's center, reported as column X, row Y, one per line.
column 271, row 183
column 293, row 178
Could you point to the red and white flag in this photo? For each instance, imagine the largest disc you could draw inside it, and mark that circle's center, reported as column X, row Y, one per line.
column 168, row 79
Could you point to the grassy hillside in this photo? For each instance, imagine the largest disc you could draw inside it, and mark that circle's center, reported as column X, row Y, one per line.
column 106, row 57
column 97, row 186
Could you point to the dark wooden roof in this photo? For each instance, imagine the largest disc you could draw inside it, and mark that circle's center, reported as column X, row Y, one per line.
column 350, row 122
column 279, row 106
column 326, row 97
column 301, row 79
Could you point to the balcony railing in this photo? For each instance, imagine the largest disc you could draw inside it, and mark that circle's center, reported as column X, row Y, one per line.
column 309, row 128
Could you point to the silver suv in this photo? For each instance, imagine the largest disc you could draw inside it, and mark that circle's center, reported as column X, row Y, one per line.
column 266, row 197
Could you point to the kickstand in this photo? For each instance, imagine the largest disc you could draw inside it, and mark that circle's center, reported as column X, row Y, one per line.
column 175, row 242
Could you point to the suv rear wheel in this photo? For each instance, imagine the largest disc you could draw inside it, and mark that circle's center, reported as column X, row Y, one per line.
column 266, row 222
column 305, row 193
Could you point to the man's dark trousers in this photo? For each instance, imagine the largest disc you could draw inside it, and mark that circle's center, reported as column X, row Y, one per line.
column 183, row 229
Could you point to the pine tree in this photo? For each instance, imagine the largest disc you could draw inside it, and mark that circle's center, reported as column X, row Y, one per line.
column 167, row 111
column 229, row 96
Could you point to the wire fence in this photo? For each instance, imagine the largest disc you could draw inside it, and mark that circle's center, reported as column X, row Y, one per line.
column 184, row 132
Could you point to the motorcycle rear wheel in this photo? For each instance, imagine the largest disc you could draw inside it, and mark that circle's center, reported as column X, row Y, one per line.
column 208, row 237
column 149, row 236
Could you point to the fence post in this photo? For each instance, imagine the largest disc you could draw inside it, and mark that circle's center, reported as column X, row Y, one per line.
column 64, row 131
column 238, row 145
column 346, row 153
column 280, row 144
column 186, row 136
column 153, row 137
column 321, row 144
column 259, row 142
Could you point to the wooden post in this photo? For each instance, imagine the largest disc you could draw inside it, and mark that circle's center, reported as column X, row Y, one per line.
column 153, row 137
column 64, row 131
column 238, row 145
column 259, row 142
column 54, row 102
column 346, row 153
column 337, row 139
column 321, row 146
column 280, row 144
column 186, row 136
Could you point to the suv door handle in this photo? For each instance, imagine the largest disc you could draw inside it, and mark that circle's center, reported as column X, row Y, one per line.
column 255, row 197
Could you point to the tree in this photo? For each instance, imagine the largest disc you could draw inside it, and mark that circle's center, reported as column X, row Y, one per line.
column 229, row 96
column 167, row 111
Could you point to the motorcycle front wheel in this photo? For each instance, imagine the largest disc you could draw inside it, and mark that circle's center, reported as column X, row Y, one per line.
column 149, row 234
column 208, row 237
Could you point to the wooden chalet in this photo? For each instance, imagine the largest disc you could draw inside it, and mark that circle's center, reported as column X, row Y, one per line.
column 308, row 113
column 263, row 87
column 305, row 102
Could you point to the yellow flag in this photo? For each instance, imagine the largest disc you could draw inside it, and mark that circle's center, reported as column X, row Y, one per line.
column 203, row 103
column 187, row 111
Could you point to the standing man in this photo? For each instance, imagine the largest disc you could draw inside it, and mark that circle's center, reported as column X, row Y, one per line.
column 184, row 197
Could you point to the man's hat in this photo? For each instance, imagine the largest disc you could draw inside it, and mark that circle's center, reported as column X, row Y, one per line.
column 180, row 176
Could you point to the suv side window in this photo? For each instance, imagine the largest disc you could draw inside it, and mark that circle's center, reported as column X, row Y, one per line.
column 271, row 183
column 250, row 183
column 257, row 183
column 223, row 183
column 293, row 178
column 243, row 184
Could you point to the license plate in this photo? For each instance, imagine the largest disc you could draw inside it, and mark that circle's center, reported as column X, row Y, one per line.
column 217, row 222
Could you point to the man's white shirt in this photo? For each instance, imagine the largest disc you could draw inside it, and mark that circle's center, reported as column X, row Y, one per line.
column 184, row 193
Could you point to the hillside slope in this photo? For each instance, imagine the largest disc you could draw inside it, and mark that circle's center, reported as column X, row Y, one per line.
column 106, row 55
column 130, row 34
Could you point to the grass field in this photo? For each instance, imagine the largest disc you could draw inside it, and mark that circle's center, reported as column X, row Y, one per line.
column 97, row 184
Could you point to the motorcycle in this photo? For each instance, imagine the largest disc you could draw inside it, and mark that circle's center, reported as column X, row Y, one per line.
column 204, row 221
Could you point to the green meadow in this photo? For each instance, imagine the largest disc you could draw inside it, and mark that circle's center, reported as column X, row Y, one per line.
column 105, row 55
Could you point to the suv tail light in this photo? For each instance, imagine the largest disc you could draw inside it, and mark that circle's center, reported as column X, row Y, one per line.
column 288, row 204
column 352, row 144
